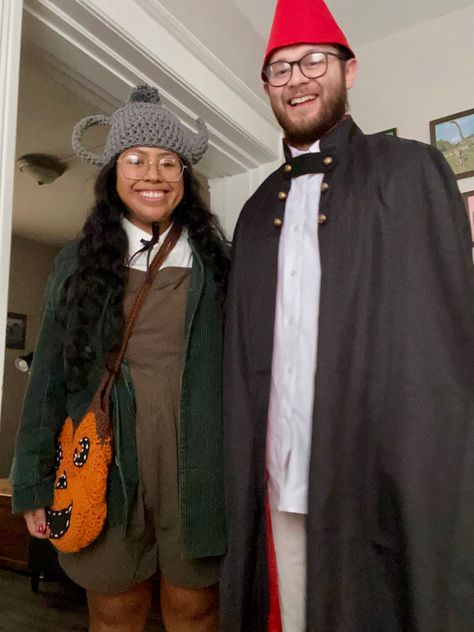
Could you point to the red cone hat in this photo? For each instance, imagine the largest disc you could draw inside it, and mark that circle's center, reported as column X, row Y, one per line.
column 303, row 22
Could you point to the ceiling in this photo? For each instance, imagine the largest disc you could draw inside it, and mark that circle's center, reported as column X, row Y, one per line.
column 363, row 21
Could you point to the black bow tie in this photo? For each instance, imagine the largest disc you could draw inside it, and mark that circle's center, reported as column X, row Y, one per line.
column 308, row 163
column 148, row 245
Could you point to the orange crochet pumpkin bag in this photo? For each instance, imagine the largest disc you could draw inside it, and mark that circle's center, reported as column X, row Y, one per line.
column 83, row 458
column 84, row 453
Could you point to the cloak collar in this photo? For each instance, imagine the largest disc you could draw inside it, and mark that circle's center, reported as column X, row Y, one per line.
column 332, row 146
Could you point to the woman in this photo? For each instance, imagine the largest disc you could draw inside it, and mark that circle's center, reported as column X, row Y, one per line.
column 165, row 497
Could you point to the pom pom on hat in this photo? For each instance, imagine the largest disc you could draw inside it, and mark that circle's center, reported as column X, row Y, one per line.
column 144, row 94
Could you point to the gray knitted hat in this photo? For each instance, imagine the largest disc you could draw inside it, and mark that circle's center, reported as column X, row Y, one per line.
column 142, row 121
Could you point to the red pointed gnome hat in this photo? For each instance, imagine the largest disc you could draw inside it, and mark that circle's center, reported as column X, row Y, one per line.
column 303, row 22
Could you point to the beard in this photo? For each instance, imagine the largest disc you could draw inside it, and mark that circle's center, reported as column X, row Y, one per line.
column 302, row 133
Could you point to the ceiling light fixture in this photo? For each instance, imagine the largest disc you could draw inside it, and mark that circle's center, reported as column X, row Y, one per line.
column 42, row 168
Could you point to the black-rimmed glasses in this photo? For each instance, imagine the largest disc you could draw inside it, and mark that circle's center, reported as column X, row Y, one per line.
column 136, row 165
column 312, row 66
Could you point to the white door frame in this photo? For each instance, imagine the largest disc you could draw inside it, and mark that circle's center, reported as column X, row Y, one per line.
column 10, row 43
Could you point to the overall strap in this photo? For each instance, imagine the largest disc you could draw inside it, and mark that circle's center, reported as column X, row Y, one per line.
column 116, row 357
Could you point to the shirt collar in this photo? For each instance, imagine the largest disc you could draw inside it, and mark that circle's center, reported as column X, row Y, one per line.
column 299, row 152
column 136, row 234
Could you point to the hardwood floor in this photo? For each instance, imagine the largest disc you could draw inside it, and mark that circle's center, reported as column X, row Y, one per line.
column 56, row 607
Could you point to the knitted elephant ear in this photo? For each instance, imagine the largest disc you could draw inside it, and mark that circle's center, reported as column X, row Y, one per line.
column 78, row 133
column 200, row 142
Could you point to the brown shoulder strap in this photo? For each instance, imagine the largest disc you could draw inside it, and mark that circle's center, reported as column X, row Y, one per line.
column 116, row 357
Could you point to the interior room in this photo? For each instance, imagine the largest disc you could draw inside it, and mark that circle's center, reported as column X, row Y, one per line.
column 416, row 73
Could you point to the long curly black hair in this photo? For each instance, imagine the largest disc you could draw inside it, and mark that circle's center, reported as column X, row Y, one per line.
column 102, row 265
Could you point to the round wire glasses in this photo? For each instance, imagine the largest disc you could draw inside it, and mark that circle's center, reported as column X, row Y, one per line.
column 135, row 165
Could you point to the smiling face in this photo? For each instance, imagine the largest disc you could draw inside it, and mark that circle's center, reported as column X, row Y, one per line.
column 149, row 199
column 307, row 108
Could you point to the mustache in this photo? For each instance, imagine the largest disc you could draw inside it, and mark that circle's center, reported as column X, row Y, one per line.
column 332, row 109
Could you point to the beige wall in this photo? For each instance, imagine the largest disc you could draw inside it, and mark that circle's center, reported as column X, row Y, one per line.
column 31, row 263
column 414, row 77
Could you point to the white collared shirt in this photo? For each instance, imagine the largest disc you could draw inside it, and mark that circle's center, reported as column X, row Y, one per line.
column 290, row 413
column 181, row 256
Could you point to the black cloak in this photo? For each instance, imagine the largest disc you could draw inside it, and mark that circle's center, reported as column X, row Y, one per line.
column 390, row 525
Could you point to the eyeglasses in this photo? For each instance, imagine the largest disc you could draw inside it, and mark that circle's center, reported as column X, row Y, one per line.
column 312, row 66
column 135, row 166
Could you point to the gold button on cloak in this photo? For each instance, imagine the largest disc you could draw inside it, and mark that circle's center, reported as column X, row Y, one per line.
column 282, row 195
column 328, row 160
column 324, row 186
column 287, row 168
column 322, row 218
column 278, row 222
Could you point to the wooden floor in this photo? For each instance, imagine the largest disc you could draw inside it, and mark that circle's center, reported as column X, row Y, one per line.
column 56, row 607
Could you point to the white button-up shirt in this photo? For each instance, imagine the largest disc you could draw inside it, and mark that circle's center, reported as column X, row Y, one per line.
column 290, row 414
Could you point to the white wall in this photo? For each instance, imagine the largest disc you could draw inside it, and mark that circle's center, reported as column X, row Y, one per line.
column 228, row 195
column 421, row 74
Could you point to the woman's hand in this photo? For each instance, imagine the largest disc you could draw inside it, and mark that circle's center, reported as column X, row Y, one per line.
column 36, row 523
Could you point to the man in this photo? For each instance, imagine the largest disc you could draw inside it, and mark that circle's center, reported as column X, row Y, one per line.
column 349, row 433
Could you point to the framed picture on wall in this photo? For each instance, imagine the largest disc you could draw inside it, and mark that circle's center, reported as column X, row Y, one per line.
column 16, row 331
column 454, row 137
column 390, row 132
column 469, row 202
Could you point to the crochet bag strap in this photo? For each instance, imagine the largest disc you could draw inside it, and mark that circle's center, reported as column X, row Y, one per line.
column 116, row 357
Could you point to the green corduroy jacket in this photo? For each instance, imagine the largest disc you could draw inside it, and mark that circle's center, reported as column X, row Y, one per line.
column 48, row 403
